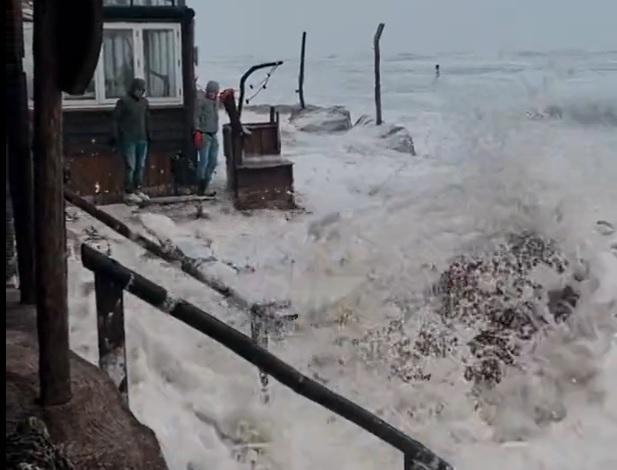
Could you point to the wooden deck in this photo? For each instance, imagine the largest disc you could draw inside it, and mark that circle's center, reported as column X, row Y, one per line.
column 99, row 432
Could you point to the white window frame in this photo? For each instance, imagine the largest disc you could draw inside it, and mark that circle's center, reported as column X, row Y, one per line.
column 138, row 48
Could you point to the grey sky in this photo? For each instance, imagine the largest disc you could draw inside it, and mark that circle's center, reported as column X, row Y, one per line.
column 273, row 27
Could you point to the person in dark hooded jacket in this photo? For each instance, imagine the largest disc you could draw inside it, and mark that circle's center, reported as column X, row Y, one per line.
column 131, row 134
column 207, row 125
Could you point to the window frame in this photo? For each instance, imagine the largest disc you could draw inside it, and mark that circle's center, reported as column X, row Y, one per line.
column 138, row 28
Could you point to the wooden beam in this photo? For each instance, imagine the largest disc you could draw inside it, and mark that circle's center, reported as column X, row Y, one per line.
column 50, row 234
column 376, row 39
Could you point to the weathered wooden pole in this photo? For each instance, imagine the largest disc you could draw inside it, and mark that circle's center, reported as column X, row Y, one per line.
column 111, row 332
column 301, row 74
column 189, row 56
column 50, row 234
column 376, row 39
column 259, row 334
column 19, row 156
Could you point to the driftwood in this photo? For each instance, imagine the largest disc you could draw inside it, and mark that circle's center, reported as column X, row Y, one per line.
column 97, row 431
column 417, row 456
column 376, row 39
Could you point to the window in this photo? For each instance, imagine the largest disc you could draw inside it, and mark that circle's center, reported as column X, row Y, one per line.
column 160, row 62
column 151, row 51
column 118, row 59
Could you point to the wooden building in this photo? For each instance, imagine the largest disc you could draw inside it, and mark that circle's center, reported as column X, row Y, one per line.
column 151, row 39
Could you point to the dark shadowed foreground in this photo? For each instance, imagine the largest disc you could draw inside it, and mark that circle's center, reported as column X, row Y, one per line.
column 94, row 429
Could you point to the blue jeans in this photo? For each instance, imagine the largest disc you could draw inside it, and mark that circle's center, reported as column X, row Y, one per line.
column 135, row 153
column 207, row 157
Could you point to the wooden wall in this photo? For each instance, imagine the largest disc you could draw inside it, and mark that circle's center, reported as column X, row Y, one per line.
column 96, row 168
column 265, row 139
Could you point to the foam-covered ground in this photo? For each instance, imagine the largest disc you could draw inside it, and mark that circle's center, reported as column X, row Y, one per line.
column 378, row 228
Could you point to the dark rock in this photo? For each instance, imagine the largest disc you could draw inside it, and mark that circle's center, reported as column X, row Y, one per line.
column 316, row 119
column 395, row 137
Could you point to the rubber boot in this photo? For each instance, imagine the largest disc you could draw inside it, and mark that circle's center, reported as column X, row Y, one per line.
column 201, row 188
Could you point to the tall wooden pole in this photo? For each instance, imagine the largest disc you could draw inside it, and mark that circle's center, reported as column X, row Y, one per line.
column 50, row 234
column 378, row 119
column 18, row 151
column 189, row 63
column 301, row 74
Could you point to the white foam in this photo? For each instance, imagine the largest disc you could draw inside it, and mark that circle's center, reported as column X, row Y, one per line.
column 381, row 227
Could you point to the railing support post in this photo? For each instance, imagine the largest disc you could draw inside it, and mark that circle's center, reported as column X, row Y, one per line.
column 111, row 335
column 259, row 334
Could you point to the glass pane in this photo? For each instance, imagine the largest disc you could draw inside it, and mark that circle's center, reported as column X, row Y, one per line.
column 118, row 61
column 160, row 63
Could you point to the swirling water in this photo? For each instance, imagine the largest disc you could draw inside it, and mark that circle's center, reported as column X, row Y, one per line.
column 510, row 143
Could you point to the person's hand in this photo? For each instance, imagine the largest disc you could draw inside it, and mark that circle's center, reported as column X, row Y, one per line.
column 225, row 93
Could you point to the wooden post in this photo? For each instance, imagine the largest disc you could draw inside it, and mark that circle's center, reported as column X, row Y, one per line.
column 111, row 335
column 50, row 235
column 19, row 156
column 259, row 334
column 189, row 83
column 376, row 39
column 301, row 75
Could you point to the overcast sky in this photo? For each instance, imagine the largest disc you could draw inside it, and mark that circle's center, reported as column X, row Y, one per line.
column 273, row 27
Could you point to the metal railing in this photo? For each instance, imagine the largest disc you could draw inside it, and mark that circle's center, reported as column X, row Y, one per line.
column 112, row 279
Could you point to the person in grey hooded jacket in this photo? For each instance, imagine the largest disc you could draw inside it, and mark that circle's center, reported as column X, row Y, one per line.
column 207, row 124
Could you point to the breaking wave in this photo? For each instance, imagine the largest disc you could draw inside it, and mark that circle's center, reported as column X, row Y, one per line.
column 544, row 315
column 590, row 113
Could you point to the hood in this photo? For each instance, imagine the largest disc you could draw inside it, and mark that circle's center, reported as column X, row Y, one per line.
column 137, row 84
column 212, row 87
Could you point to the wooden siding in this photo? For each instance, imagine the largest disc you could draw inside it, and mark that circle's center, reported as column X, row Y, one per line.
column 265, row 139
column 265, row 185
column 96, row 169
column 88, row 132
